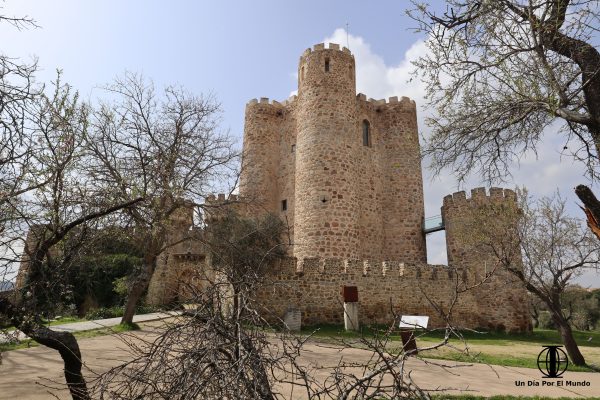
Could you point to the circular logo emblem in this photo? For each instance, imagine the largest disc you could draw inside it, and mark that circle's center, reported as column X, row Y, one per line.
column 552, row 361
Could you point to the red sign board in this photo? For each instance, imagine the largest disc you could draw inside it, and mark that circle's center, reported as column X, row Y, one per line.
column 350, row 294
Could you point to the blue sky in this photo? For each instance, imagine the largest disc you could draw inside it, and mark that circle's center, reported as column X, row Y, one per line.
column 239, row 50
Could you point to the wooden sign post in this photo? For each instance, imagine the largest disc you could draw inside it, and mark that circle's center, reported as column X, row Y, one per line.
column 408, row 324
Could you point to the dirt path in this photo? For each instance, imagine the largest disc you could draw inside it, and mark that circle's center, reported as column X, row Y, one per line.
column 27, row 373
column 99, row 323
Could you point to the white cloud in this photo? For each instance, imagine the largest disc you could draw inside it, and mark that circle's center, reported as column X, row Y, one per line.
column 541, row 174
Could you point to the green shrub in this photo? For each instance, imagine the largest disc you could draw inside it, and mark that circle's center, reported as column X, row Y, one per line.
column 114, row 312
column 104, row 312
column 145, row 309
column 121, row 287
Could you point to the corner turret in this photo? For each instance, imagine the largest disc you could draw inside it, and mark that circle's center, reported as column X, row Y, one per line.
column 501, row 299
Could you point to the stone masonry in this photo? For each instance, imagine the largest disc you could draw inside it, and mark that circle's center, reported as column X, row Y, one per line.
column 345, row 174
column 306, row 160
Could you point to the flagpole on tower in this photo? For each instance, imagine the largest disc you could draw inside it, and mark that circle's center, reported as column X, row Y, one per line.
column 347, row 40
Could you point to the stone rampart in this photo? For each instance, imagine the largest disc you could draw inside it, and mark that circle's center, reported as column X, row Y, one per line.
column 386, row 290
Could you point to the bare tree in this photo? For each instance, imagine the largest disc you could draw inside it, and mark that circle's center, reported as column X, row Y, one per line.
column 210, row 355
column 17, row 93
column 56, row 200
column 556, row 248
column 499, row 72
column 17, row 89
column 165, row 148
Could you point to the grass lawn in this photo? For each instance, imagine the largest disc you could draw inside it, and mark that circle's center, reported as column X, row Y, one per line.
column 515, row 350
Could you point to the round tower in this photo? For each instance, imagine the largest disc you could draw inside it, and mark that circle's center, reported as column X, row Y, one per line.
column 501, row 300
column 462, row 215
column 260, row 157
column 326, row 203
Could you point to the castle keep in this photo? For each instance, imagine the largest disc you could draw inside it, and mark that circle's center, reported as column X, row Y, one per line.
column 343, row 171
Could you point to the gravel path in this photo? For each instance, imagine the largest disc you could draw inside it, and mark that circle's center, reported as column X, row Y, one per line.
column 99, row 323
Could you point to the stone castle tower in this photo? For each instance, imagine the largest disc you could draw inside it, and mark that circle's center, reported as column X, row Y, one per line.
column 343, row 171
column 501, row 301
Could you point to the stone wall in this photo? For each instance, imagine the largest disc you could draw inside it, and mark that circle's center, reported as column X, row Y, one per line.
column 182, row 265
column 391, row 182
column 473, row 289
column 384, row 288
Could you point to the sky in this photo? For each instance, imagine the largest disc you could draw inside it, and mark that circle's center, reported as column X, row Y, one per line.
column 240, row 50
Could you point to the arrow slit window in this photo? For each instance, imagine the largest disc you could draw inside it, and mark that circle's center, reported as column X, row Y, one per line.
column 366, row 133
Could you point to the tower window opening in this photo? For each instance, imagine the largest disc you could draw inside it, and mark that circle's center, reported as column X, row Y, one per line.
column 293, row 148
column 284, row 205
column 302, row 73
column 366, row 133
column 327, row 65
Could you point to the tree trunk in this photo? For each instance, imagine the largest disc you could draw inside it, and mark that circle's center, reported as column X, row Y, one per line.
column 592, row 208
column 535, row 315
column 566, row 335
column 137, row 290
column 64, row 342
column 261, row 378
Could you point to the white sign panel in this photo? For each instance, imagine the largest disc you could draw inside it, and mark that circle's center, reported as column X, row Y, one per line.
column 414, row 321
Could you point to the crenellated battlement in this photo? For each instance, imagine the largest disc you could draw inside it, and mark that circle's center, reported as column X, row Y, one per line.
column 335, row 267
column 321, row 47
column 479, row 196
column 392, row 102
column 221, row 198
column 265, row 101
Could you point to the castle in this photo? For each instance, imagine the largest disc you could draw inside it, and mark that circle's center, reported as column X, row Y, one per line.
column 344, row 172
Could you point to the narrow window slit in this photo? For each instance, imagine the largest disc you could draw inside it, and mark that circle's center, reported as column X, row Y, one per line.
column 366, row 133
